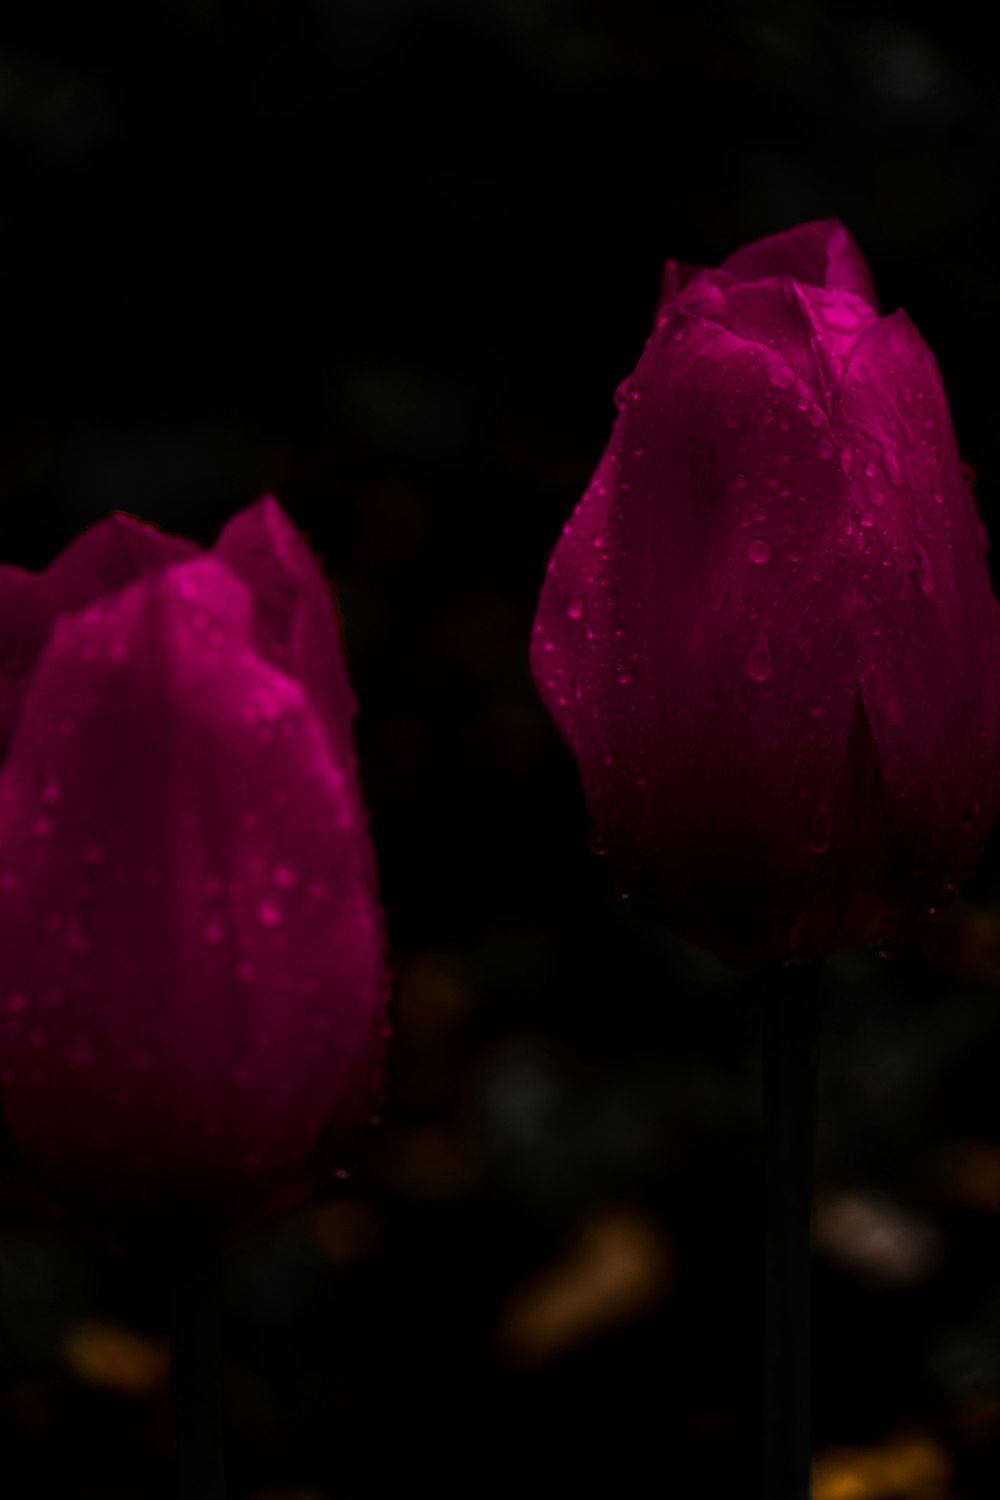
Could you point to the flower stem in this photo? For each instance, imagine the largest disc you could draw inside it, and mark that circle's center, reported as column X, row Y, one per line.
column 195, row 1374
column 791, row 1036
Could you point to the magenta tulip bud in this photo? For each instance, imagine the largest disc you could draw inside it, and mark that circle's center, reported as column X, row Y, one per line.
column 192, row 962
column 767, row 630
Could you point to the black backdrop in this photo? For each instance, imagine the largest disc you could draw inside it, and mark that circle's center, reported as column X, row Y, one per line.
column 387, row 260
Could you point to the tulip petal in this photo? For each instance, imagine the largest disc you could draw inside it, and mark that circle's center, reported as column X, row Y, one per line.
column 720, row 593
column 677, row 274
column 821, row 252
column 929, row 626
column 106, row 557
column 295, row 622
column 189, row 960
column 574, row 606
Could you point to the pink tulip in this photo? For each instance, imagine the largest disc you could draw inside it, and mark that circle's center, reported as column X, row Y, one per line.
column 192, row 969
column 767, row 631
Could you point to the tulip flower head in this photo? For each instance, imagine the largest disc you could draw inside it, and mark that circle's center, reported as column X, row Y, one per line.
column 767, row 631
column 192, row 976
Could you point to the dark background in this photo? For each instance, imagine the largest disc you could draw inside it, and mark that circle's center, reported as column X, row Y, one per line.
column 388, row 260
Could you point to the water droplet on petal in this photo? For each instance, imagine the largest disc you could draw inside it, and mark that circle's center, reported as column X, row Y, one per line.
column 825, row 447
column 574, row 609
column 283, row 875
column 268, row 914
column 759, row 551
column 870, row 470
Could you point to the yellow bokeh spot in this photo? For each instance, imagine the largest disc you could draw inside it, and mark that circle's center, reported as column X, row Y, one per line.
column 106, row 1354
column 913, row 1467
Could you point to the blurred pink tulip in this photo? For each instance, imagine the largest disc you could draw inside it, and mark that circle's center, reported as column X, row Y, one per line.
column 767, row 631
column 192, row 964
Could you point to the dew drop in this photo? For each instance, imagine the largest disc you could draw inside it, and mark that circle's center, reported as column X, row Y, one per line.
column 268, row 914
column 625, row 677
column 574, row 609
column 759, row 551
column 759, row 664
column 818, row 709
column 283, row 875
column 759, row 513
column 938, row 498
column 825, row 447
column 870, row 470
column 638, row 450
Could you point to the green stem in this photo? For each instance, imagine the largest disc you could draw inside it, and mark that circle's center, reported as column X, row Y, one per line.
column 791, row 1036
column 195, row 1374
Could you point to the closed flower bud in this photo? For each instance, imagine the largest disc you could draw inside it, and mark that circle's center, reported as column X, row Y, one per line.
column 767, row 631
column 192, row 968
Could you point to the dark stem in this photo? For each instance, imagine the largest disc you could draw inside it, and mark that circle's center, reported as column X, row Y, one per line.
column 195, row 1374
column 791, row 1036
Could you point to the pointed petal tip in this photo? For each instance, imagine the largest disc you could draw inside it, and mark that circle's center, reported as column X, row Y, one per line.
column 822, row 252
